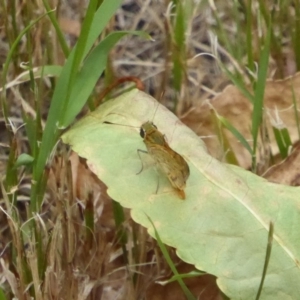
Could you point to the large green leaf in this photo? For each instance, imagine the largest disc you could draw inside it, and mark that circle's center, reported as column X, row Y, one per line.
column 222, row 226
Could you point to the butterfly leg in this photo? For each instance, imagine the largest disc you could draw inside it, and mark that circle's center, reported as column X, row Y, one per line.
column 139, row 151
column 157, row 187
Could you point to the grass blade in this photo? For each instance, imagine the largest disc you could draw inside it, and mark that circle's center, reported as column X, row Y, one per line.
column 9, row 59
column 267, row 259
column 296, row 36
column 259, row 93
column 283, row 141
column 60, row 96
column 249, row 31
column 236, row 133
column 92, row 68
column 167, row 257
column 60, row 35
column 191, row 274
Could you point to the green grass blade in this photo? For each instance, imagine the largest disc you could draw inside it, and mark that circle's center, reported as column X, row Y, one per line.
column 236, row 133
column 222, row 35
column 102, row 16
column 225, row 145
column 296, row 111
column 179, row 47
column 9, row 59
column 92, row 68
column 267, row 259
column 2, row 295
column 23, row 159
column 79, row 50
column 296, row 36
column 60, row 35
column 249, row 35
column 268, row 13
column 30, row 127
column 259, row 92
column 11, row 176
column 56, row 113
column 238, row 83
column 167, row 257
column 283, row 141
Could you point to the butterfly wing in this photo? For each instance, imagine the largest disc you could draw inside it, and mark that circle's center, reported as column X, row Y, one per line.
column 171, row 163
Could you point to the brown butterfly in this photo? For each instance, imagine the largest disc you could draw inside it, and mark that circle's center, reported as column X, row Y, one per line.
column 170, row 162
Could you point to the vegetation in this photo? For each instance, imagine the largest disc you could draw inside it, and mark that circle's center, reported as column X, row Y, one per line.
column 62, row 237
